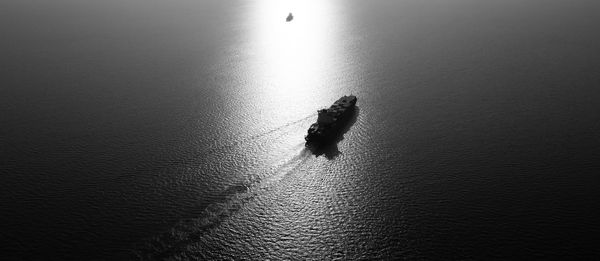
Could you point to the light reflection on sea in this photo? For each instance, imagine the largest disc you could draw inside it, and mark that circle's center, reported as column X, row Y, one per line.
column 174, row 129
column 287, row 196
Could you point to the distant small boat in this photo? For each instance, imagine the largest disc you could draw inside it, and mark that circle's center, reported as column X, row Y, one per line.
column 289, row 18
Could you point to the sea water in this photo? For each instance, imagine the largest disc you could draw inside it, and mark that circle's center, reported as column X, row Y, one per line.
column 174, row 129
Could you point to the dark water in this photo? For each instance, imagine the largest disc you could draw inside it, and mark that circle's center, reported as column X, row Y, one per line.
column 174, row 129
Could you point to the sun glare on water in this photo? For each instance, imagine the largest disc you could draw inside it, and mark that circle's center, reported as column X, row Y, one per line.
column 294, row 58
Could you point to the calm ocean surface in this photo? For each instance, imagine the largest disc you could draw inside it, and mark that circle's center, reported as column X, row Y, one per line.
column 174, row 130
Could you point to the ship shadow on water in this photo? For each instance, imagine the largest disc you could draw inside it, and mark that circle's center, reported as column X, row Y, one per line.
column 330, row 149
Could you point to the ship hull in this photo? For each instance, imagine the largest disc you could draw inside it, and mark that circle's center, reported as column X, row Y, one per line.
column 332, row 122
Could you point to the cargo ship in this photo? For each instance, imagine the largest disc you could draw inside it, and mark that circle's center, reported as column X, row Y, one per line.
column 331, row 121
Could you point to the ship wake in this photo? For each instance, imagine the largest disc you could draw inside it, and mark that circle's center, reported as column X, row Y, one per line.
column 173, row 243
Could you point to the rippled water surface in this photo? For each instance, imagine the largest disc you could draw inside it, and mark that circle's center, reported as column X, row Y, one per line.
column 174, row 129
